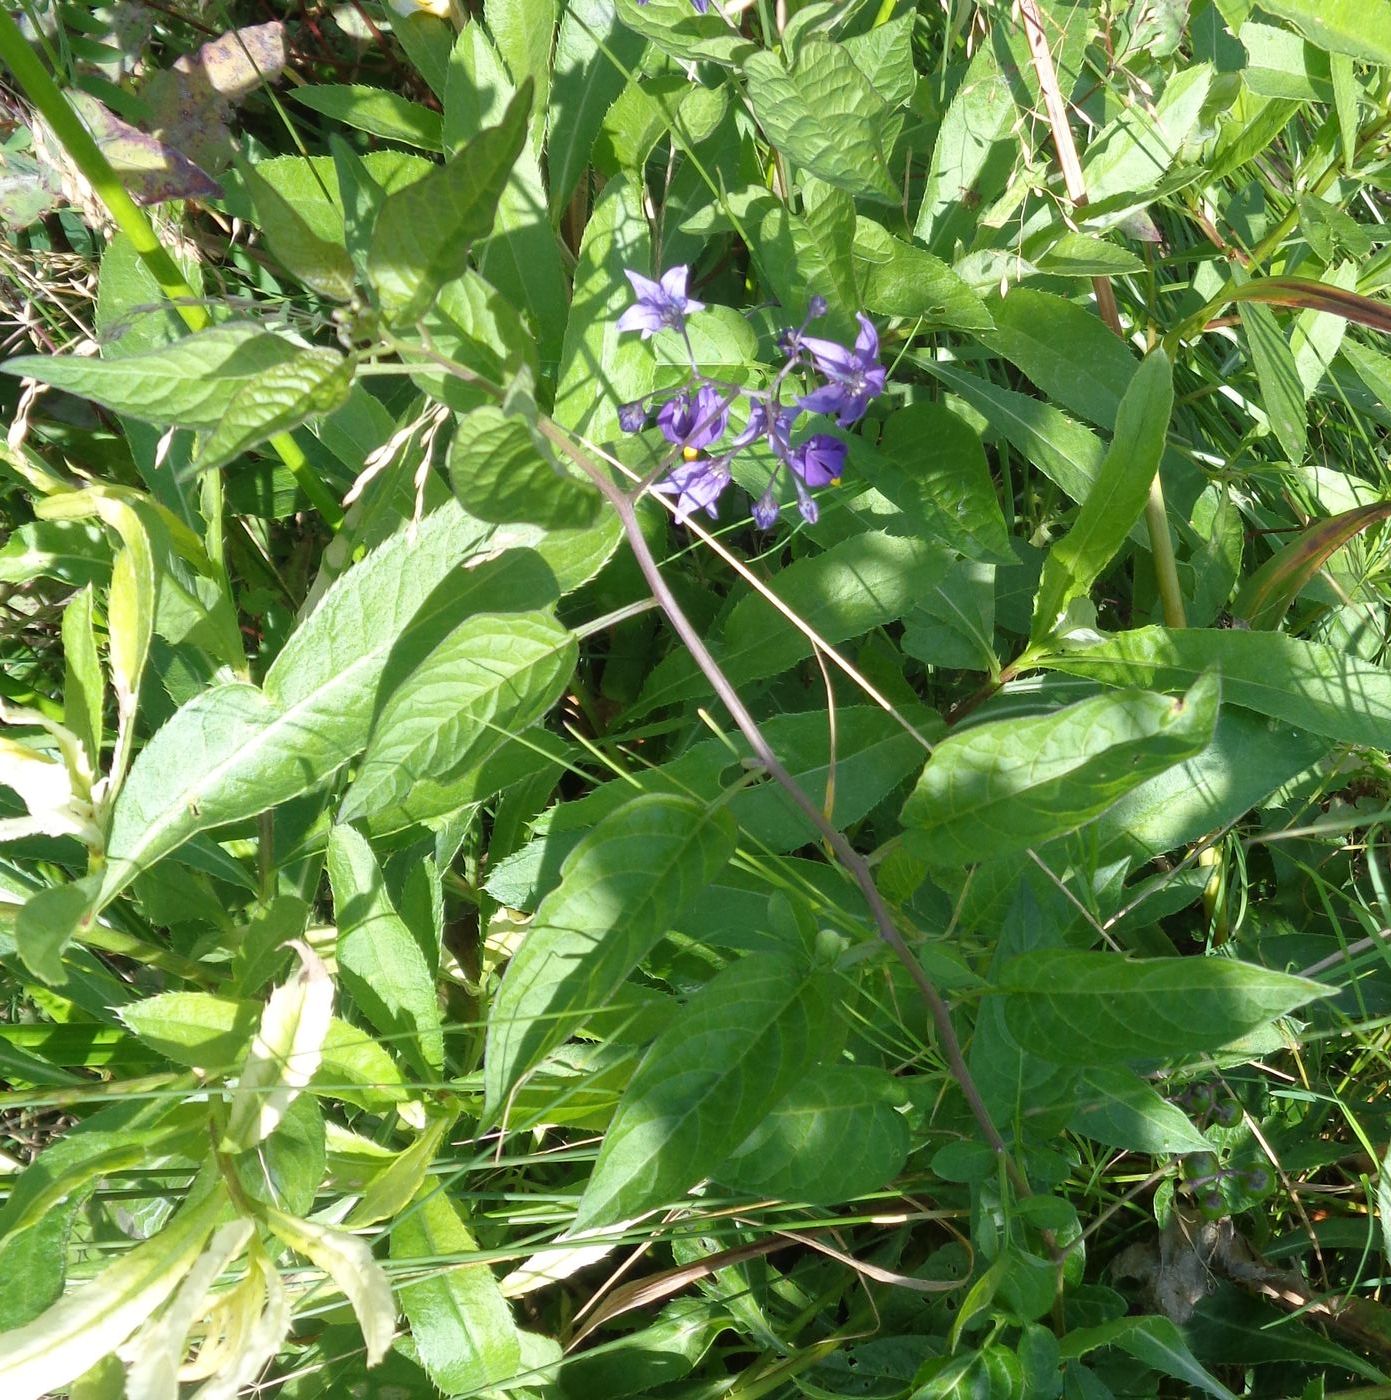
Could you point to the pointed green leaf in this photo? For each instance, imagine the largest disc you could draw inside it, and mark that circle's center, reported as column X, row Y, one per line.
column 190, row 383
column 1361, row 29
column 460, row 1322
column 379, row 960
column 823, row 115
column 1011, row 784
column 1305, row 684
column 311, row 385
column 936, row 473
column 837, row 1135
column 491, row 678
column 622, row 888
column 374, row 110
column 1100, row 1008
column 1116, row 498
column 594, row 53
column 322, row 264
column 502, row 471
column 1154, row 1340
column 737, row 1048
column 1282, row 393
column 424, row 233
column 238, row 749
column 1116, row 1107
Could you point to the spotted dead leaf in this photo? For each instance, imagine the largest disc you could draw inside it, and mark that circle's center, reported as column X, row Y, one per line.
column 190, row 103
column 150, row 169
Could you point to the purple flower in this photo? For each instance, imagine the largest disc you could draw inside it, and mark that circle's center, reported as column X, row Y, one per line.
column 693, row 420
column 780, row 433
column 697, row 485
column 820, row 460
column 659, row 304
column 754, row 429
column 632, row 417
column 854, row 376
column 766, row 509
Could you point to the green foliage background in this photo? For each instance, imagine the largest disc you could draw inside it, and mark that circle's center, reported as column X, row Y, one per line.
column 464, row 932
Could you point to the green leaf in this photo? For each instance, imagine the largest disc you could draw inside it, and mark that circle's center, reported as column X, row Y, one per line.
column 734, row 1051
column 900, row 279
column 471, row 323
column 237, row 749
column 621, row 890
column 850, row 773
column 47, row 1354
column 676, row 29
column 379, row 960
column 524, row 32
column 492, row 677
column 824, row 116
column 1011, row 784
column 424, row 233
column 83, row 685
column 1082, row 255
column 390, row 1190
column 1248, row 759
column 197, row 1029
column 72, row 551
column 936, row 473
column 1131, row 154
column 1309, row 686
column 1068, row 352
column 1361, row 29
column 1067, row 453
column 1116, row 1107
column 322, row 264
column 521, row 255
column 376, row 111
column 501, row 470
column 1116, row 499
column 1267, row 595
column 1100, row 1008
column 1154, row 1340
column 189, row 384
column 49, row 920
column 804, row 255
column 594, row 53
column 285, row 1054
column 311, row 385
column 600, row 369
column 975, row 150
column 1282, row 393
column 460, row 1322
column 837, row 1135
column 860, row 583
column 884, row 54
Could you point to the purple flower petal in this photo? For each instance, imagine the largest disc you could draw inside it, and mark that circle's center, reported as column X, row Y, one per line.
column 694, row 420
column 766, row 510
column 820, row 460
column 696, row 486
column 659, row 304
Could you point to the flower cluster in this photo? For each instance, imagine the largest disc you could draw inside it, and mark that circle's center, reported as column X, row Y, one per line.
column 696, row 417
